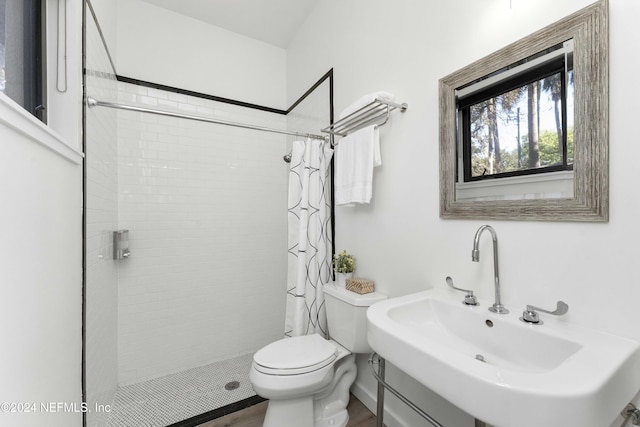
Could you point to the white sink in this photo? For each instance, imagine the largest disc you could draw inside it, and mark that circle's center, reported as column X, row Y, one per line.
column 556, row 374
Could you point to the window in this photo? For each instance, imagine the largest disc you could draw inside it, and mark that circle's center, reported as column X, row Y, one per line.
column 518, row 121
column 21, row 54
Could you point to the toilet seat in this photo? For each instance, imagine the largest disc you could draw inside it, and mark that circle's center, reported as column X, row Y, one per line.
column 295, row 356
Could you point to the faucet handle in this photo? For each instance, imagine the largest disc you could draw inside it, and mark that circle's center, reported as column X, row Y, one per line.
column 469, row 298
column 530, row 315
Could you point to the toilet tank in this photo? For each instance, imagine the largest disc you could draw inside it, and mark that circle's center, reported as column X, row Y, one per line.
column 346, row 317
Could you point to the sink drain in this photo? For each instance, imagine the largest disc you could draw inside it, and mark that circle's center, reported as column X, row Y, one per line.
column 232, row 385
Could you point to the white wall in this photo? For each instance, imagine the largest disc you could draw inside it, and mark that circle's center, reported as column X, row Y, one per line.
column 205, row 206
column 161, row 46
column 41, row 254
column 101, row 192
column 40, row 273
column 399, row 240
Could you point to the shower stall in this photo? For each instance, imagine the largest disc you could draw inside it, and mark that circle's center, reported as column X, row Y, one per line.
column 170, row 329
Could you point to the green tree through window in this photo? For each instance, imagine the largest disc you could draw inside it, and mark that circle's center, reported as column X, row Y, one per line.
column 521, row 125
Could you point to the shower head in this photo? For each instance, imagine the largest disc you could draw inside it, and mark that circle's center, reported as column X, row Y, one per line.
column 287, row 158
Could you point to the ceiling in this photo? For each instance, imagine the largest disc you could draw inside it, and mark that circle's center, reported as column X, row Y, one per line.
column 271, row 21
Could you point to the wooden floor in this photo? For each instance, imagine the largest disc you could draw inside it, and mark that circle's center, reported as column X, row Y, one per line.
column 359, row 416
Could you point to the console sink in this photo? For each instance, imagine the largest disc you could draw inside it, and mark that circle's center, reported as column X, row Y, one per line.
column 501, row 370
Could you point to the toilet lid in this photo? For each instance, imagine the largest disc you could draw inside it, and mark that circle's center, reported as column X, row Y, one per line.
column 296, row 355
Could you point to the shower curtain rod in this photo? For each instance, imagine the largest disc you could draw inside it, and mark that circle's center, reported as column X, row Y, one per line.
column 92, row 102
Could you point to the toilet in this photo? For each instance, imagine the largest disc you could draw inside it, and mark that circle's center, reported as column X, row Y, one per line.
column 307, row 378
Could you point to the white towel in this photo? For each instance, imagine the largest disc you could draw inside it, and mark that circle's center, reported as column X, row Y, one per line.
column 354, row 168
column 356, row 155
column 367, row 99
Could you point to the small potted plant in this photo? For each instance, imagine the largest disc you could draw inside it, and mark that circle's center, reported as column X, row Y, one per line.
column 344, row 265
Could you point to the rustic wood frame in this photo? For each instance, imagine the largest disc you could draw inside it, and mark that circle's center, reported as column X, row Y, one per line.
column 589, row 30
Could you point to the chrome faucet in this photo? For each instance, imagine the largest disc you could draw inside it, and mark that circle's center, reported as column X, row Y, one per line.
column 497, row 307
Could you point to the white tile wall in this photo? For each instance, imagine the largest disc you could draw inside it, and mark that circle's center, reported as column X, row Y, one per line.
column 205, row 206
column 101, row 220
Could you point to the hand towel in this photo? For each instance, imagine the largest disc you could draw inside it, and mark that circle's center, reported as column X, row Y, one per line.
column 356, row 155
column 354, row 168
column 365, row 100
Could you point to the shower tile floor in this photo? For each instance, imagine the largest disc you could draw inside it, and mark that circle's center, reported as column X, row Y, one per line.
column 173, row 398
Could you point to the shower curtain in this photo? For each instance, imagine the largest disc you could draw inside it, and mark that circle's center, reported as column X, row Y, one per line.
column 309, row 244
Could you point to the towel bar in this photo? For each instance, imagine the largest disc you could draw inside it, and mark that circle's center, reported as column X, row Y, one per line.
column 382, row 385
column 370, row 114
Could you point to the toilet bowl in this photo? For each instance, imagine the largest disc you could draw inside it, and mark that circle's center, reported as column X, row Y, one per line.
column 307, row 378
column 295, row 374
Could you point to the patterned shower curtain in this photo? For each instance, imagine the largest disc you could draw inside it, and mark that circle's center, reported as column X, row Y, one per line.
column 309, row 245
